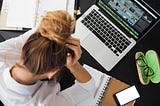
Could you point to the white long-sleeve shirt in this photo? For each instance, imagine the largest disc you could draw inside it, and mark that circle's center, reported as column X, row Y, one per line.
column 41, row 93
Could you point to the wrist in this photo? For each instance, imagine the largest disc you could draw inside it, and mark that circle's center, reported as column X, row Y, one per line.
column 75, row 68
column 80, row 73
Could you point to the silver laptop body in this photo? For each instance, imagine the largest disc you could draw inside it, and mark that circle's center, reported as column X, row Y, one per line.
column 105, row 40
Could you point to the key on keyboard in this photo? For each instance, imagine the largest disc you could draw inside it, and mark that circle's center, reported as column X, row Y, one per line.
column 106, row 32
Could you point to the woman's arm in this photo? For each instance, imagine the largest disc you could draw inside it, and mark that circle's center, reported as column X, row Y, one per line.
column 10, row 49
column 80, row 73
column 72, row 64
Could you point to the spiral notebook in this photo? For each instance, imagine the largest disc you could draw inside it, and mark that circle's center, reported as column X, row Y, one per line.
column 106, row 86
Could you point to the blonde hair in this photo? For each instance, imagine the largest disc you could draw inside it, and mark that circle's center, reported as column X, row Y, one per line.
column 46, row 49
column 57, row 26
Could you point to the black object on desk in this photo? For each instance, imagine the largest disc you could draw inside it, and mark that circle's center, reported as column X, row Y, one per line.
column 0, row 4
column 77, row 9
column 1, row 38
column 126, row 70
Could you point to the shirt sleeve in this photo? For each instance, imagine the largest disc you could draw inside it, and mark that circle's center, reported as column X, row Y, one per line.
column 79, row 91
column 10, row 50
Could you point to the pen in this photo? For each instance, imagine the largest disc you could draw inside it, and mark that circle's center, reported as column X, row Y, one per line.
column 76, row 4
column 77, row 8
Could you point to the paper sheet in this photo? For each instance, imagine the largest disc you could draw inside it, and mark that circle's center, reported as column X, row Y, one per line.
column 25, row 13
column 3, row 16
column 100, row 81
column 21, row 13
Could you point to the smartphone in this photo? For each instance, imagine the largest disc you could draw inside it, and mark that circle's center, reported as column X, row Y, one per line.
column 127, row 95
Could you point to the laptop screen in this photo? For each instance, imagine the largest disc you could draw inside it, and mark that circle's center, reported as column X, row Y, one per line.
column 134, row 17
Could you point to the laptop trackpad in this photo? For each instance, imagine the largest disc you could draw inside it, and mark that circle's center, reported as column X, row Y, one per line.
column 92, row 44
column 99, row 51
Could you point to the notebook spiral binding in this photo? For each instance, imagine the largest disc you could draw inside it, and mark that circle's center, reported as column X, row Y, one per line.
column 106, row 86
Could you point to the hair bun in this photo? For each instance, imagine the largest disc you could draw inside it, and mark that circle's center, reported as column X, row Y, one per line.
column 57, row 26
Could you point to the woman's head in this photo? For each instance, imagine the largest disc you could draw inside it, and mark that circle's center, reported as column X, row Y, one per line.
column 46, row 48
column 57, row 26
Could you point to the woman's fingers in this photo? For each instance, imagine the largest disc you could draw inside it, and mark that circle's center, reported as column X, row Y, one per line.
column 73, row 41
column 76, row 49
column 74, row 45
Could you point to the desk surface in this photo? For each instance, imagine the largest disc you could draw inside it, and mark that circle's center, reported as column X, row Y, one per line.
column 125, row 70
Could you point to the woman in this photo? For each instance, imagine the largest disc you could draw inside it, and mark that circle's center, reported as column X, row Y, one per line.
column 40, row 54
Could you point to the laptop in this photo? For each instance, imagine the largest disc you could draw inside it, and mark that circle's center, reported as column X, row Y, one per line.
column 109, row 29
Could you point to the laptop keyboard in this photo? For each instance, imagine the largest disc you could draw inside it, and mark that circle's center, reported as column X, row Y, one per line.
column 106, row 32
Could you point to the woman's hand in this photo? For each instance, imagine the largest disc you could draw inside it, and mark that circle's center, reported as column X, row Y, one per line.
column 74, row 45
column 72, row 63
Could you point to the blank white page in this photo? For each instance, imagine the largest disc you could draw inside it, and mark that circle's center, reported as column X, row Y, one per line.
column 49, row 5
column 21, row 13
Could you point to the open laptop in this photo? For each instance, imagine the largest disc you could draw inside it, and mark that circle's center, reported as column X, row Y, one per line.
column 109, row 29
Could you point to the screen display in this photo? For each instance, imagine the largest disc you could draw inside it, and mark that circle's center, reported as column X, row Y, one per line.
column 127, row 95
column 130, row 14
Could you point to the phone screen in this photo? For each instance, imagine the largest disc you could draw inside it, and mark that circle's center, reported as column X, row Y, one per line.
column 126, row 95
